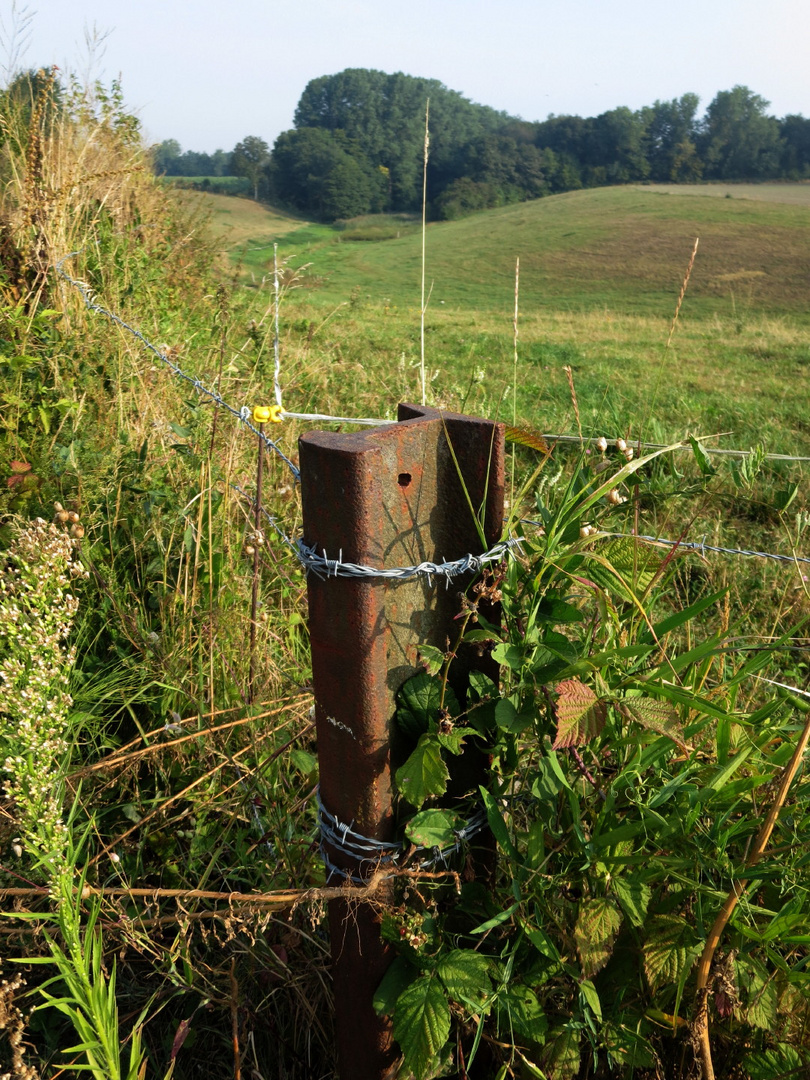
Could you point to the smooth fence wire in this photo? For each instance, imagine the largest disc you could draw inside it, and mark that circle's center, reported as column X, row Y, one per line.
column 685, row 445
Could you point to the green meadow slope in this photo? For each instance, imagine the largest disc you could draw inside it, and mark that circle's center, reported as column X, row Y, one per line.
column 623, row 248
column 620, row 247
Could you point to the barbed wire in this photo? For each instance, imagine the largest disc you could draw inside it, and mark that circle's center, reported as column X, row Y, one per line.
column 324, row 567
column 703, row 547
column 243, row 414
column 376, row 854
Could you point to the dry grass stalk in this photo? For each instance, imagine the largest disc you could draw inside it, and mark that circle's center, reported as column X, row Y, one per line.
column 683, row 291
column 570, row 377
column 701, row 1023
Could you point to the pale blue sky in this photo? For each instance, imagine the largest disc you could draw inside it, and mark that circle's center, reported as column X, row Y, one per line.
column 209, row 72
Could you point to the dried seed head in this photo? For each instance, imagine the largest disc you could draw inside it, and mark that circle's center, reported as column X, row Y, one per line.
column 621, row 445
column 614, row 497
column 73, row 516
column 629, row 453
column 77, row 531
column 601, row 444
column 58, row 507
column 61, row 517
column 250, row 549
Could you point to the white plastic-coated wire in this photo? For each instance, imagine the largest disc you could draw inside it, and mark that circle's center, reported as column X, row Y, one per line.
column 368, row 421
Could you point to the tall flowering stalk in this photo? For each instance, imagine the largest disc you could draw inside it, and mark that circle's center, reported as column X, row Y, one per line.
column 37, row 609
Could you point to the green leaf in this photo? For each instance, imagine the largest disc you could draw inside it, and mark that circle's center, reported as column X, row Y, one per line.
column 465, row 975
column 560, row 1057
column 497, row 824
column 634, row 898
column 670, row 950
column 655, row 715
column 482, row 686
column 399, row 976
column 512, row 656
column 432, row 658
column 508, row 719
column 453, row 740
column 701, row 457
column 781, row 1062
column 419, row 700
column 434, row 828
column 595, row 931
column 758, row 993
column 422, row 1024
column 521, row 1014
column 629, row 1048
column 588, row 991
column 424, row 774
column 580, row 714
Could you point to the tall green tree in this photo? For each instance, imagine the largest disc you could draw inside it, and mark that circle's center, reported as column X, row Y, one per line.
column 322, row 173
column 795, row 132
column 250, row 158
column 739, row 140
column 671, row 132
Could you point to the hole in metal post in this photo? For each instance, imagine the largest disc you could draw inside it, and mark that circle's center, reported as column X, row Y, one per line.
column 404, row 479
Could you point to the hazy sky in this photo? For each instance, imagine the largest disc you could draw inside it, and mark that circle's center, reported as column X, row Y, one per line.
column 209, row 72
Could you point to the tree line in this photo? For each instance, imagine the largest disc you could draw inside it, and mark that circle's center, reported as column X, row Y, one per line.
column 358, row 141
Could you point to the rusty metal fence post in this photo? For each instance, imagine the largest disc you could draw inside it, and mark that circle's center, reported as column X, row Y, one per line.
column 389, row 497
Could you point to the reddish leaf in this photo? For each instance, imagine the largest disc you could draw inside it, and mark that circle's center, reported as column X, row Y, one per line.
column 580, row 714
column 21, row 466
column 183, row 1029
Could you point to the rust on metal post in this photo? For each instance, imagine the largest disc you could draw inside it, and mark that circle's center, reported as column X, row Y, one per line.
column 388, row 497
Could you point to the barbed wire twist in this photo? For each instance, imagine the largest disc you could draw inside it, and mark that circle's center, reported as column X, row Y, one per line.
column 373, row 855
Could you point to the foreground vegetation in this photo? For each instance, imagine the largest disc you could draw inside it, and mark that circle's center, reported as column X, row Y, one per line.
column 636, row 758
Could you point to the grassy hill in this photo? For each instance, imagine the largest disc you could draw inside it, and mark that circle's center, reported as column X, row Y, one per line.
column 622, row 248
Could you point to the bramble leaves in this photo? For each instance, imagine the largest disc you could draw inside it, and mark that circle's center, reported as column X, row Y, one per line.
column 420, row 699
column 596, row 928
column 580, row 714
column 424, row 774
column 670, row 950
column 434, row 828
column 524, row 436
column 781, row 1062
column 655, row 715
column 422, row 1023
column 465, row 975
column 634, row 898
column 560, row 1057
column 521, row 1014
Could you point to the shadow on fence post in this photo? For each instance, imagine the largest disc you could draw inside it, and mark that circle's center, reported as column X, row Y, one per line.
column 384, row 498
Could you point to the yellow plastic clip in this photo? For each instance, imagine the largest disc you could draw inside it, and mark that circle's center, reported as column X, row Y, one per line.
column 264, row 414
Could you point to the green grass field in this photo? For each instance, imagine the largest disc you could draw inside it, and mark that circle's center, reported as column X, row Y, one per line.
column 624, row 249
column 600, row 274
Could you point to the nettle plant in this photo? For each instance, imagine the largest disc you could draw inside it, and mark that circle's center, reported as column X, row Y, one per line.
column 633, row 760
